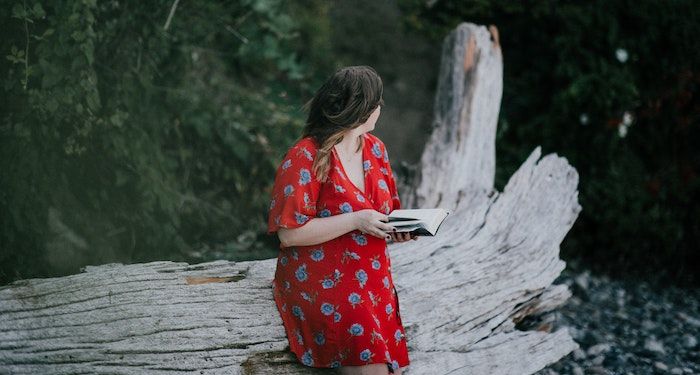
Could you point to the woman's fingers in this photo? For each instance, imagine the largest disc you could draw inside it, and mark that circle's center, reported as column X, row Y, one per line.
column 400, row 236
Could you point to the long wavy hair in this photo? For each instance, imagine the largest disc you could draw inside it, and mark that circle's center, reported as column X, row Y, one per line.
column 344, row 102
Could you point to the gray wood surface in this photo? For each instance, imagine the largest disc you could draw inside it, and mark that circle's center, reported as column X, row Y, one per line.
column 461, row 293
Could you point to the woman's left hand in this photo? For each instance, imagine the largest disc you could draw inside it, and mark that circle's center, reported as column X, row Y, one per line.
column 403, row 236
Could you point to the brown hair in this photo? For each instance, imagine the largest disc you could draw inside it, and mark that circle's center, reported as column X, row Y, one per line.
column 345, row 101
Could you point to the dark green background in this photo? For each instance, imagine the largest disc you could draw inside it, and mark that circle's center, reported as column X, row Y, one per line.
column 125, row 142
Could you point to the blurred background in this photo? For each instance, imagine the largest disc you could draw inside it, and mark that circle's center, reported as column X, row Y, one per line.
column 140, row 131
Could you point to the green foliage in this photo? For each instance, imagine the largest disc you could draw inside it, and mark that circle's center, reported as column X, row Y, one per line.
column 124, row 141
column 612, row 86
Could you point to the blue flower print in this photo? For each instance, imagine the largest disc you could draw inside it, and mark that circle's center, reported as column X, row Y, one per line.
column 389, row 308
column 366, row 355
column 304, row 176
column 386, row 156
column 360, row 239
column 373, row 298
column 339, row 188
column 349, row 254
column 272, row 204
column 317, row 255
column 325, row 213
column 295, row 254
column 300, row 218
column 345, row 207
column 354, row 299
column 334, row 364
column 300, row 338
column 336, row 317
column 376, row 336
column 387, row 356
column 329, row 282
column 361, row 276
column 288, row 190
column 298, row 312
column 376, row 150
column 284, row 260
column 385, row 280
column 300, row 273
column 307, row 200
column 307, row 154
column 366, row 165
column 309, row 297
column 287, row 285
column 327, row 308
column 287, row 163
column 382, row 185
column 398, row 335
column 359, row 196
column 319, row 338
column 376, row 264
column 384, row 171
column 356, row 329
column 306, row 358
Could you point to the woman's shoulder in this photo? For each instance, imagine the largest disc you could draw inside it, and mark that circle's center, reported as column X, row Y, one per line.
column 307, row 142
column 305, row 148
column 374, row 140
column 377, row 146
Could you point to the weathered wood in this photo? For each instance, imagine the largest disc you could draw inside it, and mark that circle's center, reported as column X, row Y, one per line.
column 461, row 293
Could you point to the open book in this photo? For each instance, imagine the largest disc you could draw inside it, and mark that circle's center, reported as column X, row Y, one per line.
column 419, row 221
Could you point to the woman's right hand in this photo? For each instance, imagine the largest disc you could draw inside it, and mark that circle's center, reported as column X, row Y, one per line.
column 373, row 222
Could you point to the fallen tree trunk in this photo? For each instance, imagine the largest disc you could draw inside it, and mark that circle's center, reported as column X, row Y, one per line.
column 465, row 294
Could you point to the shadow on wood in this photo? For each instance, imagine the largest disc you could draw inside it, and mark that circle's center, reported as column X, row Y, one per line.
column 466, row 295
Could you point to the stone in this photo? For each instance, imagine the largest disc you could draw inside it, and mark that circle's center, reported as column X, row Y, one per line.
column 654, row 346
column 598, row 349
column 689, row 341
column 660, row 366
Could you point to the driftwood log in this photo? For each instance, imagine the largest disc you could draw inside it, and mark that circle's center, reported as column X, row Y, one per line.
column 466, row 295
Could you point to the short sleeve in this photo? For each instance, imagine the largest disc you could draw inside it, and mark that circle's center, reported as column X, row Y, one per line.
column 395, row 201
column 295, row 190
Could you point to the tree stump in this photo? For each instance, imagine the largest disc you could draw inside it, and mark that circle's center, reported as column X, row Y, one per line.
column 465, row 294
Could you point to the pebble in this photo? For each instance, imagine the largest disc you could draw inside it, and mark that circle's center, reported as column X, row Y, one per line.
column 597, row 349
column 689, row 341
column 660, row 365
column 597, row 361
column 627, row 327
column 579, row 354
column 652, row 345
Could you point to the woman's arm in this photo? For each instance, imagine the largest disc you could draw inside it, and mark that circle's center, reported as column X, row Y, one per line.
column 318, row 230
column 321, row 229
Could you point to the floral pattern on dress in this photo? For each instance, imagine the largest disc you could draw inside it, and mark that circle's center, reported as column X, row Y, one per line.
column 336, row 299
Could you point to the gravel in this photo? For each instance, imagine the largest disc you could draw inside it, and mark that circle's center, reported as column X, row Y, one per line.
column 627, row 327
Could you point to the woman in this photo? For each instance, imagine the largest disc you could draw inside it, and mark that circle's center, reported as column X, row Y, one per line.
column 332, row 194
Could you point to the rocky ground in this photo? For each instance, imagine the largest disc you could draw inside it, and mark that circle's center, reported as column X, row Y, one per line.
column 625, row 327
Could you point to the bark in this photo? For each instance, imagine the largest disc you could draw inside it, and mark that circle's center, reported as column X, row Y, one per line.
column 478, row 298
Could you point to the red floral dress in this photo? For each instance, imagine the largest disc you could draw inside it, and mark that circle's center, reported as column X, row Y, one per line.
column 337, row 298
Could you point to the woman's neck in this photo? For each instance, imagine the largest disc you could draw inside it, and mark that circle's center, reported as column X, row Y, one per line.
column 350, row 144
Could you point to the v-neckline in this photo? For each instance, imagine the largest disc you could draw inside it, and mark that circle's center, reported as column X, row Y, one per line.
column 347, row 176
